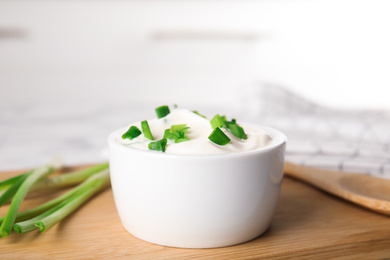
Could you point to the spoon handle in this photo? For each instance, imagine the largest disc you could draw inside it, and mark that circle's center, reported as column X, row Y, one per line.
column 367, row 191
column 320, row 178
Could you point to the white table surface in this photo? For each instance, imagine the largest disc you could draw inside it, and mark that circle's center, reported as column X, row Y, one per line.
column 32, row 133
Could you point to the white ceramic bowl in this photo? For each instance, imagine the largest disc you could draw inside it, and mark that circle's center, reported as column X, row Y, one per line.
column 196, row 201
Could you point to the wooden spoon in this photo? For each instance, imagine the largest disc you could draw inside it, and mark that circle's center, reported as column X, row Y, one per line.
column 367, row 191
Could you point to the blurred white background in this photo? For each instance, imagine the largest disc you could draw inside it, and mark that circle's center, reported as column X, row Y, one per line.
column 66, row 63
column 334, row 52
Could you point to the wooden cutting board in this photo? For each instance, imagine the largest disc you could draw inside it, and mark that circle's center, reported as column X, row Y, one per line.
column 308, row 224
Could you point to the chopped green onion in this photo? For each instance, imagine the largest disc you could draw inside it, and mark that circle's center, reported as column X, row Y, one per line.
column 219, row 137
column 178, row 128
column 217, row 121
column 179, row 140
column 199, row 114
column 183, row 132
column 158, row 145
column 133, row 132
column 177, row 133
column 237, row 131
column 232, row 126
column 146, row 130
column 169, row 135
column 162, row 111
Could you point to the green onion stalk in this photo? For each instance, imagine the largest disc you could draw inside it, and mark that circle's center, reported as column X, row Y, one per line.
column 25, row 186
column 59, row 208
column 90, row 181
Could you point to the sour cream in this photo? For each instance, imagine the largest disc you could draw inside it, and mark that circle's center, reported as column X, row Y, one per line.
column 198, row 133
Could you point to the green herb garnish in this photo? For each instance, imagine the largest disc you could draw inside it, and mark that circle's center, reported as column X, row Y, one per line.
column 133, row 132
column 158, row 145
column 219, row 137
column 177, row 133
column 199, row 114
column 146, row 130
column 235, row 129
column 169, row 135
column 217, row 121
column 162, row 111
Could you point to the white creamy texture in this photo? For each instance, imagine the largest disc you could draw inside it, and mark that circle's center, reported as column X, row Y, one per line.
column 198, row 133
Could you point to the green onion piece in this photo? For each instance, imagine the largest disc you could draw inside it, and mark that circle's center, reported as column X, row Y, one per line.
column 182, row 135
column 162, row 111
column 177, row 133
column 33, row 177
column 199, row 114
column 158, row 145
column 219, row 137
column 178, row 128
column 146, row 130
column 179, row 140
column 217, row 121
column 133, row 132
column 235, row 129
column 169, row 135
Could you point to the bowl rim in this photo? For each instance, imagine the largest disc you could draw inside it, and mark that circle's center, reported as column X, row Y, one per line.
column 278, row 139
